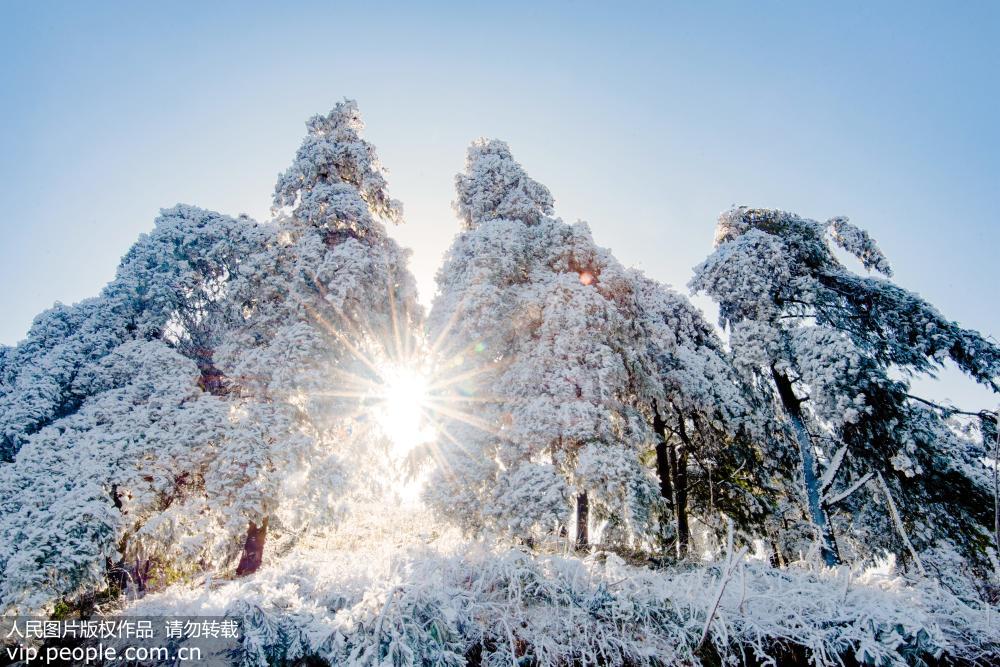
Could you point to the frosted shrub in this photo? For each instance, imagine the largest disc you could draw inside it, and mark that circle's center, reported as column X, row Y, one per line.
column 451, row 602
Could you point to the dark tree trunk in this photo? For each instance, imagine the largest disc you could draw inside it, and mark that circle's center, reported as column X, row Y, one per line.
column 817, row 512
column 253, row 549
column 563, row 529
column 582, row 518
column 129, row 578
column 671, row 468
column 775, row 559
column 662, row 458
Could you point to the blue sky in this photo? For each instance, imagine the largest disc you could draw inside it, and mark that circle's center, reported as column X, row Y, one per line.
column 646, row 120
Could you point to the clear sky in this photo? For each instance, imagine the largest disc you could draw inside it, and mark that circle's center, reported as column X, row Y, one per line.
column 646, row 120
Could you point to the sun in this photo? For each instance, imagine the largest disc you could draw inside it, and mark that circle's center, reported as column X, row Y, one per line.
column 401, row 410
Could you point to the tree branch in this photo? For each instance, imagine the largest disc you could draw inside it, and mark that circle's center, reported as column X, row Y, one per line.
column 952, row 410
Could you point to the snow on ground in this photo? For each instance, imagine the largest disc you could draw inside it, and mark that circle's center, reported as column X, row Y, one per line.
column 394, row 588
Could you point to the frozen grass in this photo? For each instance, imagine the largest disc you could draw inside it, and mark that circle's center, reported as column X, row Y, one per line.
column 379, row 593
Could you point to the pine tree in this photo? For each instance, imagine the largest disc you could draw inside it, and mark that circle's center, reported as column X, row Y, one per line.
column 317, row 309
column 829, row 341
column 213, row 393
column 529, row 320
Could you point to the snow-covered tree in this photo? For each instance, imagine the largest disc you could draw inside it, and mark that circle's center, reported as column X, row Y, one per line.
column 701, row 408
column 170, row 286
column 529, row 317
column 579, row 378
column 85, row 491
column 323, row 309
column 837, row 348
column 110, row 386
column 178, row 282
column 40, row 373
column 213, row 390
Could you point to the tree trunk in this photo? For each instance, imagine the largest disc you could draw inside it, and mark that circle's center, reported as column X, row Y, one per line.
column 662, row 459
column 775, row 558
column 817, row 512
column 211, row 378
column 253, row 549
column 582, row 517
column 679, row 459
column 671, row 468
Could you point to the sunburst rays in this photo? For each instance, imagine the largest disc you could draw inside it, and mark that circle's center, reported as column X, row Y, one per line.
column 412, row 391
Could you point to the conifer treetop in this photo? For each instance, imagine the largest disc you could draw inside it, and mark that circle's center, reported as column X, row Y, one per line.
column 334, row 155
column 495, row 186
column 772, row 263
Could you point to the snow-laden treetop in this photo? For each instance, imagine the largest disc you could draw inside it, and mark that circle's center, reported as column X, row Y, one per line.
column 811, row 246
column 770, row 263
column 495, row 186
column 333, row 165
